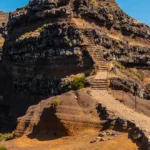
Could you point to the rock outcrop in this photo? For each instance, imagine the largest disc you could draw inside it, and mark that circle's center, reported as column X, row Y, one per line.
column 73, row 113
column 128, row 85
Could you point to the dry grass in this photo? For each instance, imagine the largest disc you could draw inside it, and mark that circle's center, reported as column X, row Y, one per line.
column 81, row 22
column 121, row 71
column 81, row 141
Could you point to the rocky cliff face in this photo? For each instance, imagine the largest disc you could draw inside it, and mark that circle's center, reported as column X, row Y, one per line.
column 46, row 41
column 49, row 40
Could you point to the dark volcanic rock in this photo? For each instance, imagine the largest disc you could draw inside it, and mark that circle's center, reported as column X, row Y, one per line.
column 128, row 85
column 147, row 92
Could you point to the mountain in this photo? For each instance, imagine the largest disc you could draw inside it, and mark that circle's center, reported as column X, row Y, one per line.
column 49, row 40
column 49, row 43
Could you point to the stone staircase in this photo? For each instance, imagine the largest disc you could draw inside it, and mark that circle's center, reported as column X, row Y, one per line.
column 101, row 80
column 100, row 84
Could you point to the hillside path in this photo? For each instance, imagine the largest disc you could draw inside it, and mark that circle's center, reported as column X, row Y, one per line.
column 122, row 110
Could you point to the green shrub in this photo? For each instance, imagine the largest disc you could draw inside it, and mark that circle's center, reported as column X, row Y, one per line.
column 120, row 46
column 6, row 136
column 3, row 148
column 56, row 103
column 39, row 29
column 77, row 83
column 119, row 65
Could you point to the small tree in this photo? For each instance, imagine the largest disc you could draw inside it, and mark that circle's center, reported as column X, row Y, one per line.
column 78, row 83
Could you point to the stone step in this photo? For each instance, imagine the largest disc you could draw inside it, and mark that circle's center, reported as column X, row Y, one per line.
column 100, row 60
column 103, row 68
column 99, row 85
column 100, row 82
column 102, row 64
column 99, row 88
column 99, row 57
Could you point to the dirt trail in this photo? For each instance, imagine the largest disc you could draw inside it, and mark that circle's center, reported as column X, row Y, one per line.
column 122, row 110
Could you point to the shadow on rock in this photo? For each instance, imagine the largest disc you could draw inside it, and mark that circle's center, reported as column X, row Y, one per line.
column 49, row 126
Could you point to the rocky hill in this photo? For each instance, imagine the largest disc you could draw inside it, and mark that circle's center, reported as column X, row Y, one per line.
column 46, row 36
column 49, row 41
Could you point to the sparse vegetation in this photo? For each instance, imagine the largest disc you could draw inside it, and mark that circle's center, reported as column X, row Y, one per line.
column 6, row 136
column 119, row 65
column 77, row 83
column 93, row 2
column 26, row 34
column 56, row 103
column 69, row 42
column 140, row 76
column 129, row 72
column 3, row 148
column 120, row 46
column 136, row 74
column 40, row 29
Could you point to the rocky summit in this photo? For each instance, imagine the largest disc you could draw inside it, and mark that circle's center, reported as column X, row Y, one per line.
column 54, row 46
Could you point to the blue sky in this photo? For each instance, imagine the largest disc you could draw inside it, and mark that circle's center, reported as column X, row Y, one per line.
column 139, row 9
column 11, row 5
